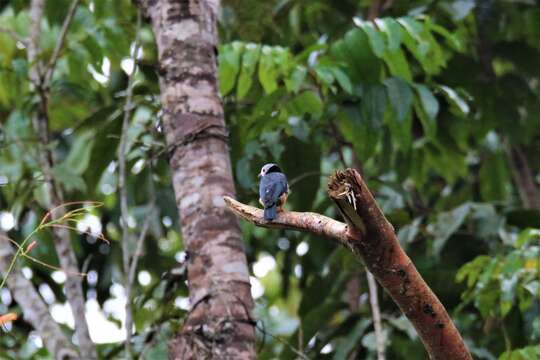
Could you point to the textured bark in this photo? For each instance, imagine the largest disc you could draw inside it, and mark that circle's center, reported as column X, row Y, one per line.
column 219, row 325
column 62, row 239
column 34, row 310
column 370, row 237
column 293, row 220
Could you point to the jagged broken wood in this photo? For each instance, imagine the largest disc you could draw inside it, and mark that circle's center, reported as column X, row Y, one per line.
column 369, row 235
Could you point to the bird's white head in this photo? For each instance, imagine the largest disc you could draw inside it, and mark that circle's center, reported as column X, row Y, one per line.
column 269, row 168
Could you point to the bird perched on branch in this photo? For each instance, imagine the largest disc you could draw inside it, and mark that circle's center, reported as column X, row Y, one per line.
column 273, row 190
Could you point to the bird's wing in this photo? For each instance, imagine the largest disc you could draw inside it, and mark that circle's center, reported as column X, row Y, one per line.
column 272, row 186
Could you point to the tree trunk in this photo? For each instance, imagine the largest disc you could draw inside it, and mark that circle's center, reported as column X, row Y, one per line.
column 219, row 325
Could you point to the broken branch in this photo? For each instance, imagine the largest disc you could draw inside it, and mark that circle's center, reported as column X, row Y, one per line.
column 372, row 239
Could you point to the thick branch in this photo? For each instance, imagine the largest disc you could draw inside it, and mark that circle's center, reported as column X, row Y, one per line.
column 34, row 310
column 302, row 221
column 371, row 238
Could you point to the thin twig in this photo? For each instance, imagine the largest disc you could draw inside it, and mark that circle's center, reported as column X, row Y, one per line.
column 376, row 314
column 138, row 250
column 14, row 35
column 298, row 352
column 301, row 177
column 49, row 71
column 35, row 311
column 122, row 149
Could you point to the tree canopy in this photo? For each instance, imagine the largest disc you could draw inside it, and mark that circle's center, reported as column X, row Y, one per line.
column 436, row 103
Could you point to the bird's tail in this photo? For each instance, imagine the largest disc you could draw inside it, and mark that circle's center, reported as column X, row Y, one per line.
column 270, row 213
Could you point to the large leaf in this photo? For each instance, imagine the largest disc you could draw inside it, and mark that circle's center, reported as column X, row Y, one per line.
column 373, row 106
column 307, row 102
column 249, row 63
column 376, row 40
column 400, row 96
column 392, row 30
column 355, row 51
column 447, row 224
column 78, row 158
column 268, row 70
column 427, row 108
column 229, row 65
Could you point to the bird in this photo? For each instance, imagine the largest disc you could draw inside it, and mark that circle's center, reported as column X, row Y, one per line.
column 273, row 190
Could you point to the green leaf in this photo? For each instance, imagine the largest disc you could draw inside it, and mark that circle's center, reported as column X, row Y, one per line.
column 344, row 346
column 472, row 270
column 268, row 72
column 397, row 64
column 78, row 158
column 455, row 99
column 356, row 130
column 459, row 9
column 325, row 75
column 343, row 80
column 249, row 63
column 356, row 52
column 508, row 294
column 422, row 45
column 42, row 195
column 494, row 178
column 533, row 287
column 526, row 236
column 447, row 224
column 373, row 106
column 400, row 96
column 71, row 181
column 296, row 79
column 452, row 39
column 158, row 348
column 392, row 30
column 428, row 100
column 407, row 233
column 229, row 65
column 307, row 102
column 375, row 38
column 319, row 317
column 426, row 107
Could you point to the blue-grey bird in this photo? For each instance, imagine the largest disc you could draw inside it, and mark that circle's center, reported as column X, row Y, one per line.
column 273, row 190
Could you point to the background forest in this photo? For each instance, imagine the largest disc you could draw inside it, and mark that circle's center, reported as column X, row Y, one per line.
column 435, row 102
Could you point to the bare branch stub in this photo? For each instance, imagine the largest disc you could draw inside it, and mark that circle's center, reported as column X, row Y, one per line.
column 393, row 269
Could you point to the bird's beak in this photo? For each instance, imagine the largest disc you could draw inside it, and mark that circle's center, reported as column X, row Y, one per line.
column 259, row 175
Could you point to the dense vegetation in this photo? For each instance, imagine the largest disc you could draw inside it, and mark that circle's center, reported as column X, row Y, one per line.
column 436, row 102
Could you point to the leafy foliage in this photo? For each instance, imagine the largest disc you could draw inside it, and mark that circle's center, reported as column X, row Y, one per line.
column 428, row 98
